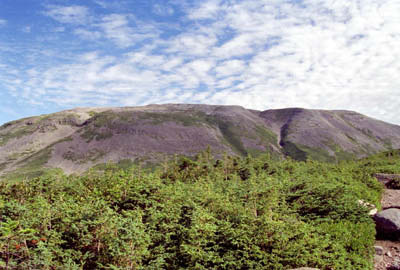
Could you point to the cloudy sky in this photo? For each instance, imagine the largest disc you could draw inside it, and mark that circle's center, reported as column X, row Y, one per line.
column 261, row 54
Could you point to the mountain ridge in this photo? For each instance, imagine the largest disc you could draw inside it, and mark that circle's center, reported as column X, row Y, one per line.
column 77, row 139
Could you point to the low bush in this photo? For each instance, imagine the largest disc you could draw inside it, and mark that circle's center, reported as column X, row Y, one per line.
column 193, row 214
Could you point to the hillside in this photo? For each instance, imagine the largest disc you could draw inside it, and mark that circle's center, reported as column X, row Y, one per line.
column 78, row 139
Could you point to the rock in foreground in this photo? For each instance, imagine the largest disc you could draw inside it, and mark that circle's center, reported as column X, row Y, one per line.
column 388, row 223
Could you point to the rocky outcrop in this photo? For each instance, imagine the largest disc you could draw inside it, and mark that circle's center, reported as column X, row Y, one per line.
column 388, row 223
column 389, row 180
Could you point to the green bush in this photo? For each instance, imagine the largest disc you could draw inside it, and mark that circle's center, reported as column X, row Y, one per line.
column 193, row 214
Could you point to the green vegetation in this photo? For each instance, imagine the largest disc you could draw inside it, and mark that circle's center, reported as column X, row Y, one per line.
column 184, row 118
column 339, row 153
column 34, row 165
column 233, row 213
column 385, row 162
column 99, row 126
column 388, row 144
column 126, row 164
column 17, row 132
column 303, row 152
column 91, row 155
column 230, row 132
column 267, row 135
column 28, row 126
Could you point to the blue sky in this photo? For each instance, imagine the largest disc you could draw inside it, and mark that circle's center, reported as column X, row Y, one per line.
column 261, row 54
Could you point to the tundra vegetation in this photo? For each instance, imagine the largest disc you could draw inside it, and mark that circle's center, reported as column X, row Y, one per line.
column 231, row 213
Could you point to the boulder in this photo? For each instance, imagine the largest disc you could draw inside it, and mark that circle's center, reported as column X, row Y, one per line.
column 379, row 250
column 388, row 223
column 395, row 265
column 389, row 180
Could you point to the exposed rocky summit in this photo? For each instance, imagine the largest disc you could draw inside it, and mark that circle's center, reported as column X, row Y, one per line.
column 78, row 139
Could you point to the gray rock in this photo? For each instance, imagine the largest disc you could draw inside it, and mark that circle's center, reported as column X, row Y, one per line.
column 394, row 266
column 387, row 179
column 388, row 223
column 378, row 250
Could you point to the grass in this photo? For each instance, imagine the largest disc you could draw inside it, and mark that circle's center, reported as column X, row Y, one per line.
column 90, row 134
column 388, row 143
column 34, row 165
column 267, row 136
column 184, row 118
column 230, row 133
column 303, row 152
column 99, row 126
column 91, row 156
column 126, row 164
column 17, row 133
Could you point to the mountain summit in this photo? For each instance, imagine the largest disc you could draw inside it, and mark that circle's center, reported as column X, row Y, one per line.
column 78, row 139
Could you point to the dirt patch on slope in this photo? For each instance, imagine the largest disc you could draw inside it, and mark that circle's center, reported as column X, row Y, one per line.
column 391, row 199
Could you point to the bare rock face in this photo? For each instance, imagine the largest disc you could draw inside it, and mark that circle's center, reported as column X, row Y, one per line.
column 388, row 223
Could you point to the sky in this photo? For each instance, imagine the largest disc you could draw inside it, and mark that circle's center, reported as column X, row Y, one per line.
column 260, row 54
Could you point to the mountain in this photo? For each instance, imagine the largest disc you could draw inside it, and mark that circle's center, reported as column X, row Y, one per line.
column 78, row 139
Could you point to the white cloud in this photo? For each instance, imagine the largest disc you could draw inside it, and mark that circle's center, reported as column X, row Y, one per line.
column 103, row 4
column 241, row 45
column 27, row 29
column 206, row 10
column 87, row 34
column 257, row 53
column 2, row 22
column 230, row 67
column 68, row 14
column 163, row 10
column 117, row 28
column 59, row 29
column 192, row 44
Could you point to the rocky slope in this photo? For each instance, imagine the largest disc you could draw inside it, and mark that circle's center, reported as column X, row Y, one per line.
column 78, row 139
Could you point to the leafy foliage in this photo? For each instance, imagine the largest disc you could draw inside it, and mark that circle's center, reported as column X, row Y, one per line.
column 233, row 213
